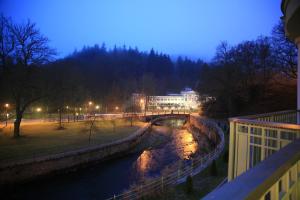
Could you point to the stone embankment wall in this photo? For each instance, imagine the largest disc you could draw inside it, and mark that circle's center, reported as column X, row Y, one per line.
column 32, row 168
column 204, row 126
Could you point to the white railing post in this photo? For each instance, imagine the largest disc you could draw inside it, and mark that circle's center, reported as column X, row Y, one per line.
column 298, row 82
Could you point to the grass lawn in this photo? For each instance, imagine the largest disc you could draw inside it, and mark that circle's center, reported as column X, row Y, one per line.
column 38, row 139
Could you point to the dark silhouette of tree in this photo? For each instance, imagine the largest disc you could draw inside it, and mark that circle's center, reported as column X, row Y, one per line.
column 23, row 77
column 285, row 51
column 246, row 79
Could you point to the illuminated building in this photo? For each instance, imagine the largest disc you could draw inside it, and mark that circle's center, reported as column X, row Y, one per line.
column 187, row 99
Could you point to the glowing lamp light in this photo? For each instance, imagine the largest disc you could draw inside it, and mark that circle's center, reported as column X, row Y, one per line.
column 80, row 109
column 76, row 114
column 142, row 100
column 38, row 109
column 90, row 103
column 117, row 108
column 67, row 107
column 97, row 107
column 6, row 105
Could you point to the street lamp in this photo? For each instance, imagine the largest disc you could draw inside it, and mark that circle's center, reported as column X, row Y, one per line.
column 67, row 107
column 90, row 103
column 76, row 114
column 6, row 113
column 97, row 107
column 117, row 108
column 38, row 110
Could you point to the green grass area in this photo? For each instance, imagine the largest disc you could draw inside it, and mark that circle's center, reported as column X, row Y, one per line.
column 39, row 139
column 203, row 183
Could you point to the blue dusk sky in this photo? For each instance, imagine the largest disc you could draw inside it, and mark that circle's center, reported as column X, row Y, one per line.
column 190, row 28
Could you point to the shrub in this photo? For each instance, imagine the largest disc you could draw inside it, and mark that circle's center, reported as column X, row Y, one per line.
column 214, row 169
column 225, row 156
column 189, row 188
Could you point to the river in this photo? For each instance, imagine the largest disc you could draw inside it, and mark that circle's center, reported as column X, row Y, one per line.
column 166, row 144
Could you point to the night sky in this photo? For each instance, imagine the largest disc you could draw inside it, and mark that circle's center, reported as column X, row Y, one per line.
column 190, row 28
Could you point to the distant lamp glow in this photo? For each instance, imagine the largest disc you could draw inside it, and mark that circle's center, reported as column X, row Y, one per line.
column 142, row 100
column 117, row 108
column 67, row 107
column 90, row 103
column 76, row 114
column 7, row 115
column 97, row 107
column 6, row 105
column 38, row 109
column 80, row 109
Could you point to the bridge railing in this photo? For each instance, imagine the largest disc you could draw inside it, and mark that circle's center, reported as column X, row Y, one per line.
column 195, row 166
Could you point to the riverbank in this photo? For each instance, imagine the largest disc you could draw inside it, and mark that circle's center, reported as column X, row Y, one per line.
column 102, row 180
column 32, row 168
column 42, row 139
column 155, row 188
column 203, row 182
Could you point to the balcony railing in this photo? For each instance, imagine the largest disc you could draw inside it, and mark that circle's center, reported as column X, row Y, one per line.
column 259, row 167
column 278, row 177
column 255, row 137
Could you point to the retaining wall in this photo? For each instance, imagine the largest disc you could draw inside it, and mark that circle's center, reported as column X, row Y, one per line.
column 32, row 168
column 205, row 126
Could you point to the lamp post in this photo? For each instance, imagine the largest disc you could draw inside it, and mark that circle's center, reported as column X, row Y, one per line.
column 39, row 110
column 6, row 113
column 90, row 103
column 76, row 114
column 67, row 107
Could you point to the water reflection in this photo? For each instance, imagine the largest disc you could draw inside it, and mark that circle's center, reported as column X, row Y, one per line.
column 185, row 144
column 112, row 177
column 180, row 146
column 144, row 161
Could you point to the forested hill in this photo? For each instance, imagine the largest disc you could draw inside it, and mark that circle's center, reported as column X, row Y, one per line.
column 112, row 75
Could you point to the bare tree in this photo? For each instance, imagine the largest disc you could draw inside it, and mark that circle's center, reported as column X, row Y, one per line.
column 27, row 49
column 7, row 40
column 285, row 51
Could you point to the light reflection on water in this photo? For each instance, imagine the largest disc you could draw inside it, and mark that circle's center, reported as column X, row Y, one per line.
column 185, row 144
column 180, row 147
column 112, row 177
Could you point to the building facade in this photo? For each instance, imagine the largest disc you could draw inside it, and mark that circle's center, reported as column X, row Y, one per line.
column 187, row 99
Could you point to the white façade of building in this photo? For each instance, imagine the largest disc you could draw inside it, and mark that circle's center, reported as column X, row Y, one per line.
column 186, row 99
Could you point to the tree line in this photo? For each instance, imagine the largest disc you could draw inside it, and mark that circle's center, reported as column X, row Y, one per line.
column 254, row 76
column 30, row 74
column 250, row 77
column 110, row 76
